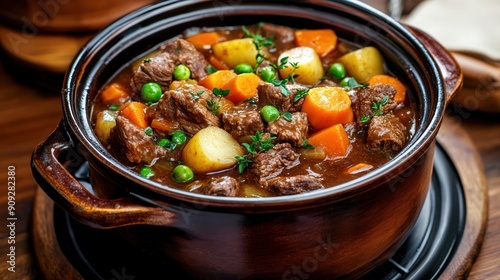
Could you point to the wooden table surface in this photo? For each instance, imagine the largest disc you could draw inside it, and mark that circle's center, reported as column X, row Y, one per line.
column 29, row 114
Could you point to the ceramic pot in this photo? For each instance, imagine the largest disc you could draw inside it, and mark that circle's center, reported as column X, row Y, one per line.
column 342, row 231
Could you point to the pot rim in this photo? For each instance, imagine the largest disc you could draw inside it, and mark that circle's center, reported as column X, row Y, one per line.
column 78, row 123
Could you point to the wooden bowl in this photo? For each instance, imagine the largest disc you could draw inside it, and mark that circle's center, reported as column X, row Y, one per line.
column 342, row 231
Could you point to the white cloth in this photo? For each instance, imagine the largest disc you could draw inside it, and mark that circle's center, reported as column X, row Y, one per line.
column 461, row 25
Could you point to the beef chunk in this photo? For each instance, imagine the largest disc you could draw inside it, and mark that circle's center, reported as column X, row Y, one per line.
column 183, row 52
column 131, row 142
column 242, row 120
column 293, row 185
column 272, row 162
column 186, row 108
column 363, row 100
column 160, row 67
column 386, row 132
column 282, row 35
column 293, row 131
column 157, row 69
column 222, row 186
column 325, row 83
column 270, row 94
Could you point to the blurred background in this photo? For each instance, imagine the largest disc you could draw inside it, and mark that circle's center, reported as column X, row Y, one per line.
column 39, row 38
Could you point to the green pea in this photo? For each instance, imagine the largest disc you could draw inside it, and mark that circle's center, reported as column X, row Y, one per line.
column 348, row 82
column 164, row 142
column 243, row 68
column 181, row 72
column 337, row 70
column 182, row 174
column 146, row 172
column 269, row 113
column 179, row 137
column 268, row 74
column 151, row 92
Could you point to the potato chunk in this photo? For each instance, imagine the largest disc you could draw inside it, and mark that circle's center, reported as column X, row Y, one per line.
column 211, row 149
column 104, row 122
column 362, row 64
column 310, row 69
column 234, row 52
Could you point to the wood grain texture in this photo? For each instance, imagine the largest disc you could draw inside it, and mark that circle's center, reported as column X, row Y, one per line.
column 466, row 159
column 45, row 246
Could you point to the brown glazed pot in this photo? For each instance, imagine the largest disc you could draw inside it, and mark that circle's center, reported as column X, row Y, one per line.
column 343, row 231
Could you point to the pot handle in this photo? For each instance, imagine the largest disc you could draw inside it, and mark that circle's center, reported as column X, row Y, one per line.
column 74, row 198
column 449, row 67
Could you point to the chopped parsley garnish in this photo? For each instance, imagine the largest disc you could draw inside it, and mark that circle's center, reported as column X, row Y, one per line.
column 378, row 106
column 147, row 60
column 365, row 118
column 378, row 109
column 196, row 96
column 242, row 162
column 282, row 63
column 306, row 145
column 282, row 85
column 287, row 116
column 290, row 77
column 257, row 146
column 301, row 93
column 213, row 107
column 250, row 101
column 259, row 42
column 221, row 92
column 210, row 69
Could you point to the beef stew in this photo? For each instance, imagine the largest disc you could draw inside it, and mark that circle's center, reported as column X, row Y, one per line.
column 253, row 111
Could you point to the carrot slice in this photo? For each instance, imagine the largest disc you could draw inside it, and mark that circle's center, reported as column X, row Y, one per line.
column 135, row 112
column 358, row 168
column 322, row 41
column 333, row 138
column 204, row 40
column 389, row 80
column 217, row 79
column 163, row 125
column 243, row 86
column 114, row 94
column 326, row 106
column 217, row 63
